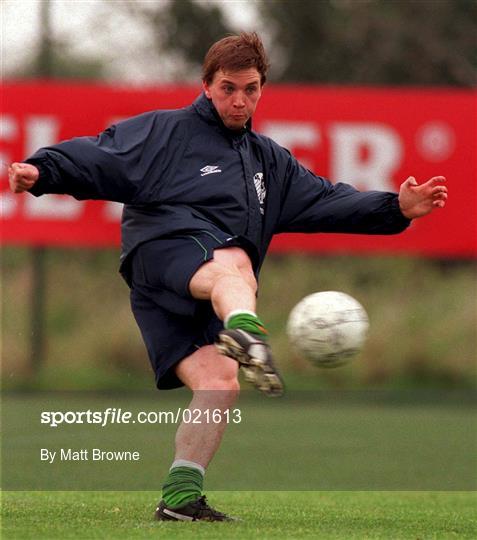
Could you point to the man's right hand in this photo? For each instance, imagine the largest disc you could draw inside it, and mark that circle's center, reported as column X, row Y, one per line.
column 22, row 176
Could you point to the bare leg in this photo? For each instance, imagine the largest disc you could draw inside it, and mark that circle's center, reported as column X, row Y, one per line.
column 213, row 380
column 227, row 281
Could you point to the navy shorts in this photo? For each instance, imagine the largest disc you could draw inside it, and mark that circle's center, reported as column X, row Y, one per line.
column 173, row 324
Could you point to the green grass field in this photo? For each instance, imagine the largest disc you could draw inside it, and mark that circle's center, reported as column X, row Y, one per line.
column 341, row 441
column 337, row 465
column 346, row 515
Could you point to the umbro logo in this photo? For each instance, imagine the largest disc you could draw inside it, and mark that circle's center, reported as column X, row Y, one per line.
column 210, row 169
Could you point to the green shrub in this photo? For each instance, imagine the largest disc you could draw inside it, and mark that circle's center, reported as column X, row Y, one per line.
column 423, row 318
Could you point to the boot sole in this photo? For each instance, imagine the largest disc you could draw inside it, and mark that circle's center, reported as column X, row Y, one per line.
column 256, row 372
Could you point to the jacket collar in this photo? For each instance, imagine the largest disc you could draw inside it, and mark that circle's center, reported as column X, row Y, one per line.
column 206, row 110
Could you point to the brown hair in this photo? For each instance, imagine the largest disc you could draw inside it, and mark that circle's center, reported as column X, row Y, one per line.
column 234, row 53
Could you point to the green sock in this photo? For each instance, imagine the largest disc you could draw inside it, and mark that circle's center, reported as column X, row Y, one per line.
column 182, row 485
column 248, row 322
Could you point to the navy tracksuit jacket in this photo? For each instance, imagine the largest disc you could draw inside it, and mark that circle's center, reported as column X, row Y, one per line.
column 183, row 170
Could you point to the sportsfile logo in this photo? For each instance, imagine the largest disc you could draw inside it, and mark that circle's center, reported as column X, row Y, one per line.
column 210, row 169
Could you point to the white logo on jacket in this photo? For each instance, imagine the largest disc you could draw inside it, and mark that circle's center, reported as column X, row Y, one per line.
column 210, row 169
column 261, row 190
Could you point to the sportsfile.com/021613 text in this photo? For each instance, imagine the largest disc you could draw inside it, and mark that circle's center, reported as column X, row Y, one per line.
column 113, row 415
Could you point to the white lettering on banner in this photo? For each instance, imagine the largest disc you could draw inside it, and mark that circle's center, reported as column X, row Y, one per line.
column 293, row 135
column 8, row 204
column 40, row 131
column 113, row 211
column 375, row 169
column 53, row 207
column 8, row 132
column 44, row 131
column 8, row 127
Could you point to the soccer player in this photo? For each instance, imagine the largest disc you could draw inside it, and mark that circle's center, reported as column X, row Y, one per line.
column 204, row 194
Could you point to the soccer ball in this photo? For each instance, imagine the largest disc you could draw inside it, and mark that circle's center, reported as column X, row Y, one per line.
column 328, row 328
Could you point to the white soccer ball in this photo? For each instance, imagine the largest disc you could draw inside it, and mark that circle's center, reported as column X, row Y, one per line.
column 328, row 328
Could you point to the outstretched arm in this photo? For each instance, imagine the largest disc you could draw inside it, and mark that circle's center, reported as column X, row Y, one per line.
column 312, row 204
column 112, row 166
column 419, row 200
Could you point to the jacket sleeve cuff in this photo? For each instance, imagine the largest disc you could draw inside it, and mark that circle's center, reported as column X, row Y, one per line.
column 43, row 185
column 398, row 216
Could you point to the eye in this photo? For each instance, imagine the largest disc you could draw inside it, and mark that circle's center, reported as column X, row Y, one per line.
column 251, row 90
column 228, row 89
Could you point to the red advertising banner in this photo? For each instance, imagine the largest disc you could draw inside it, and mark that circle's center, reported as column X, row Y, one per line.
column 373, row 138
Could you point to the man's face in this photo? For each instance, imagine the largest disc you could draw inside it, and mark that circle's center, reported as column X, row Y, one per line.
column 235, row 95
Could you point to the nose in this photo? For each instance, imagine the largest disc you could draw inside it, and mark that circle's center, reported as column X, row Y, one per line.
column 239, row 101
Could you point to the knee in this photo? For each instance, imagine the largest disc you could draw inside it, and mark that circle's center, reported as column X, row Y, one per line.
column 227, row 384
column 218, row 392
column 221, row 376
column 210, row 277
column 235, row 262
column 227, row 275
column 228, row 264
column 220, row 387
column 206, row 369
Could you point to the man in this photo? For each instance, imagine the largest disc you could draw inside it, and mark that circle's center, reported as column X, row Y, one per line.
column 204, row 195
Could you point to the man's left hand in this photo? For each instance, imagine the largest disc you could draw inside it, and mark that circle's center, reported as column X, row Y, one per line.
column 419, row 200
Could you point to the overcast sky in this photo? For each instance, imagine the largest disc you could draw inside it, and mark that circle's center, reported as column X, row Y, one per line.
column 116, row 36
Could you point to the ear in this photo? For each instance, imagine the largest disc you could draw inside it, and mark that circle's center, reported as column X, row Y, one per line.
column 205, row 87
